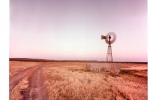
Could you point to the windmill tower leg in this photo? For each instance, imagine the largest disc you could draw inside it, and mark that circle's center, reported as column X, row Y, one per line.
column 109, row 57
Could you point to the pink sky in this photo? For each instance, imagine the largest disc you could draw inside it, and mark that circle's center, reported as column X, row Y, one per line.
column 72, row 29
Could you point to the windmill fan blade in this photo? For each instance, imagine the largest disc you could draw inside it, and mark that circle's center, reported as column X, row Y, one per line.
column 113, row 38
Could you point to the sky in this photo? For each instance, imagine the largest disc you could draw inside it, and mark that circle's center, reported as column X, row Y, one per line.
column 72, row 29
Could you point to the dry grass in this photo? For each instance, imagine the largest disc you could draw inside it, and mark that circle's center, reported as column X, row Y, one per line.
column 71, row 81
column 76, row 83
column 64, row 84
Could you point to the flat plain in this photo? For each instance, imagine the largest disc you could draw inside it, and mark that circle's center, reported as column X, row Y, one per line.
column 72, row 81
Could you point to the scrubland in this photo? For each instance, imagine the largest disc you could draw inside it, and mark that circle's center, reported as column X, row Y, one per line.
column 72, row 81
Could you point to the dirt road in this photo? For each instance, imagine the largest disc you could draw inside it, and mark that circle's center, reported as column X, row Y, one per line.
column 17, row 78
column 36, row 89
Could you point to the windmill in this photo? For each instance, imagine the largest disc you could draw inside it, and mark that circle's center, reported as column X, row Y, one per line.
column 110, row 38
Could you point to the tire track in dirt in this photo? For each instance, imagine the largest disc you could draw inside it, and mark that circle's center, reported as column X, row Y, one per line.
column 36, row 89
column 18, row 77
column 117, row 93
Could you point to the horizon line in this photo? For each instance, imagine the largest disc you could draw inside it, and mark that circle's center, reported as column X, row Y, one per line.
column 65, row 60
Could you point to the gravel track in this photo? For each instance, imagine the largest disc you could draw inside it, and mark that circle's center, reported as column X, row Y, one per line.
column 36, row 89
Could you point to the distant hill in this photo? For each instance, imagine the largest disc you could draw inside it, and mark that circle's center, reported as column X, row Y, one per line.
column 32, row 59
column 26, row 59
